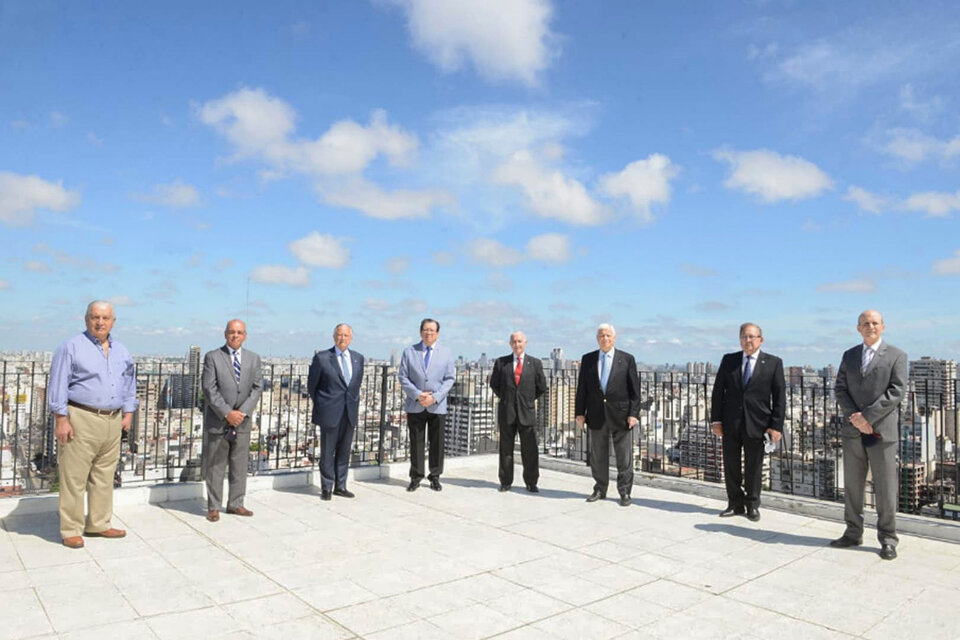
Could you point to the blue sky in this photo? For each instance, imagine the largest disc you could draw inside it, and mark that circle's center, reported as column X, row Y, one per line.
column 672, row 168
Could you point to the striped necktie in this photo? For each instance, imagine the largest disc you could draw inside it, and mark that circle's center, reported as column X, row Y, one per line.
column 236, row 366
column 345, row 367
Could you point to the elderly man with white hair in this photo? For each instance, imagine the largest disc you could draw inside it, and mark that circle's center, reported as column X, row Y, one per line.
column 608, row 403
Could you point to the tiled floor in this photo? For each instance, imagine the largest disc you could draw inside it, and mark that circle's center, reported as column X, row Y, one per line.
column 469, row 562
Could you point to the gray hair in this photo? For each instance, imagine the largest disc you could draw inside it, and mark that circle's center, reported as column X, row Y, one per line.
column 98, row 303
column 606, row 326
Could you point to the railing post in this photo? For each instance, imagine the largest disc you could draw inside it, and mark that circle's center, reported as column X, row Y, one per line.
column 383, row 412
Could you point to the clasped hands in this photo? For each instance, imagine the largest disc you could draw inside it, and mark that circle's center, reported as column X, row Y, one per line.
column 717, row 428
column 426, row 398
column 235, row 417
column 858, row 421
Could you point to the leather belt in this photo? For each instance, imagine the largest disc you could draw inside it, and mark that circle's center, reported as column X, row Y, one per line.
column 99, row 412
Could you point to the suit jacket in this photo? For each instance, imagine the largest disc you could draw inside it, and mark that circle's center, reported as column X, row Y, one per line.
column 622, row 398
column 221, row 391
column 759, row 406
column 876, row 393
column 330, row 393
column 414, row 379
column 517, row 401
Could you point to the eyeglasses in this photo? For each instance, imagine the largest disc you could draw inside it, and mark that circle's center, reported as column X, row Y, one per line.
column 748, row 338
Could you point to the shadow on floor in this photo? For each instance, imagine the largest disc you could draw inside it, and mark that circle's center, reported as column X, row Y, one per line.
column 767, row 537
column 675, row 507
column 44, row 525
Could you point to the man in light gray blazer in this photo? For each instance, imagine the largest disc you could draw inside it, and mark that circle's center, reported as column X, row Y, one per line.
column 426, row 375
column 232, row 381
column 871, row 383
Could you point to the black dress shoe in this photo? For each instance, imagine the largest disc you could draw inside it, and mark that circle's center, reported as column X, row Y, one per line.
column 504, row 487
column 532, row 488
column 753, row 514
column 324, row 494
column 731, row 511
column 843, row 542
column 344, row 493
column 888, row 552
column 625, row 501
column 596, row 495
column 414, row 485
column 435, row 485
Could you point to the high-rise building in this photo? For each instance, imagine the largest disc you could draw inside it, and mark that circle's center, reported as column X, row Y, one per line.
column 556, row 355
column 469, row 427
column 700, row 450
column 934, row 382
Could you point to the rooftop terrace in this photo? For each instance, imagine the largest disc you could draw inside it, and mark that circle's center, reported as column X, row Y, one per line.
column 468, row 562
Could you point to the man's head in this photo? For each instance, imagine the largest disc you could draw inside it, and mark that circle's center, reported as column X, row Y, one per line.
column 606, row 337
column 342, row 336
column 99, row 319
column 751, row 337
column 429, row 331
column 235, row 333
column 518, row 343
column 870, row 326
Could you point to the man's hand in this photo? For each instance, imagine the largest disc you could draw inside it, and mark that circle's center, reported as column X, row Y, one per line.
column 127, row 421
column 858, row 421
column 427, row 399
column 717, row 428
column 235, row 417
column 774, row 435
column 581, row 422
column 63, row 431
column 632, row 422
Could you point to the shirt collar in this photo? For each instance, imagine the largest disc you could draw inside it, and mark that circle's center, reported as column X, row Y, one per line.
column 876, row 345
column 755, row 355
column 234, row 351
column 340, row 353
column 94, row 340
column 608, row 353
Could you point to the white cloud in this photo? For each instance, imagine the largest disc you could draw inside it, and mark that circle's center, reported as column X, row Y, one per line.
column 320, row 250
column 842, row 64
column 643, row 182
column 253, row 121
column 493, row 253
column 924, row 109
column 122, row 301
column 21, row 196
column 57, row 119
column 4, row 284
column 948, row 266
column 397, row 265
column 347, row 147
column 549, row 193
column 36, row 266
column 549, row 247
column 277, row 274
column 866, row 200
column 443, row 258
column 369, row 198
column 935, row 204
column 176, row 195
column 913, row 146
column 849, row 286
column 503, row 39
column 773, row 177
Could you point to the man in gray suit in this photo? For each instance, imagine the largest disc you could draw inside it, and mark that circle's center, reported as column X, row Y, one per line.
column 426, row 375
column 871, row 383
column 232, row 382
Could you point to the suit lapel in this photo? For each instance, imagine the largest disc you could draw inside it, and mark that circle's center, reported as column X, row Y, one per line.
column 876, row 358
column 738, row 371
column 757, row 368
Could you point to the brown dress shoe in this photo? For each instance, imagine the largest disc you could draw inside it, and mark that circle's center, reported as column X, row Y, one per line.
column 240, row 511
column 73, row 542
column 213, row 515
column 106, row 533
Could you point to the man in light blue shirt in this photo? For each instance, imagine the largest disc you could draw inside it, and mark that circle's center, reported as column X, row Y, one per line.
column 92, row 394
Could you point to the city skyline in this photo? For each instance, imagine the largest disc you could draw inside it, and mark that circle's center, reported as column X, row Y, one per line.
column 541, row 166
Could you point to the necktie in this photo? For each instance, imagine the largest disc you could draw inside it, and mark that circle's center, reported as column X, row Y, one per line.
column 747, row 371
column 236, row 366
column 518, row 371
column 345, row 367
column 604, row 371
column 426, row 358
column 865, row 360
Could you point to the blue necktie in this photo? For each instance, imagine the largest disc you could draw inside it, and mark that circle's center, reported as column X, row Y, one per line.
column 236, row 367
column 747, row 371
column 426, row 358
column 604, row 371
column 345, row 367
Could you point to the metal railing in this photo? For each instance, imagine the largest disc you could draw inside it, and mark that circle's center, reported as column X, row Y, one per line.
column 673, row 436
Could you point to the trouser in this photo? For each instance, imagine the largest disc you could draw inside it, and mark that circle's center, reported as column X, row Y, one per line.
column 600, row 457
column 430, row 425
column 219, row 455
column 528, row 453
column 87, row 464
column 743, row 480
column 882, row 461
column 335, row 445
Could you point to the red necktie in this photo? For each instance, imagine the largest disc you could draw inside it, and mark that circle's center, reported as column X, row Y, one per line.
column 518, row 371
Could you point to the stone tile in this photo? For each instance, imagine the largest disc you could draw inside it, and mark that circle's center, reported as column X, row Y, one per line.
column 30, row 619
column 670, row 594
column 328, row 596
column 528, row 606
column 72, row 606
column 629, row 610
column 419, row 630
column 474, row 622
column 211, row 622
column 314, row 627
column 278, row 608
column 577, row 624
column 132, row 630
column 369, row 617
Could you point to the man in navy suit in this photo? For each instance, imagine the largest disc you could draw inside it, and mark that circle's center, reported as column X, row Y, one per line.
column 518, row 380
column 749, row 400
column 608, row 403
column 334, row 385
column 426, row 375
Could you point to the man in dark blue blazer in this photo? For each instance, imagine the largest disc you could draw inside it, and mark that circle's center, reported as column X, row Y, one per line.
column 749, row 400
column 334, row 385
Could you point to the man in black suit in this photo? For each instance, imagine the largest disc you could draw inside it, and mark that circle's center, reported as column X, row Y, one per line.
column 518, row 380
column 749, row 400
column 334, row 385
column 608, row 402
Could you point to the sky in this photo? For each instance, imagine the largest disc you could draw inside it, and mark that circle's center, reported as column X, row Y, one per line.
column 673, row 168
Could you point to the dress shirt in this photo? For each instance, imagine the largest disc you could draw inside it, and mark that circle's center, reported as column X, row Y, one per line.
column 515, row 361
column 873, row 349
column 600, row 363
column 743, row 364
column 81, row 372
column 238, row 353
column 346, row 373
